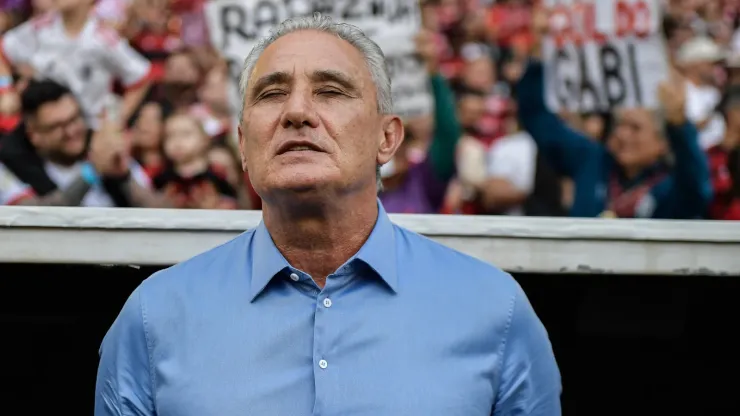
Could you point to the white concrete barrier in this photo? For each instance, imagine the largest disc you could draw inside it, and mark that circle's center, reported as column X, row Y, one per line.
column 516, row 244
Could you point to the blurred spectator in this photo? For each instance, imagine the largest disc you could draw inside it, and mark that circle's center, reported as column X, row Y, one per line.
column 631, row 176
column 182, row 76
column 418, row 186
column 146, row 137
column 697, row 59
column 479, row 82
column 509, row 177
column 470, row 156
column 188, row 177
column 74, row 47
column 519, row 181
column 54, row 159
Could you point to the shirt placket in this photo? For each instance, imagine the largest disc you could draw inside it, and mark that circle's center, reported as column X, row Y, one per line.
column 322, row 350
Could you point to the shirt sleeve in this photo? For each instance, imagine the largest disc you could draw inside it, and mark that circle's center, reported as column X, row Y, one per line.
column 514, row 158
column 125, row 63
column 19, row 44
column 12, row 189
column 124, row 383
column 530, row 379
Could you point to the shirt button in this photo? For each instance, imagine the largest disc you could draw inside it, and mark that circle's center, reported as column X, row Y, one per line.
column 323, row 364
column 294, row 277
column 327, row 303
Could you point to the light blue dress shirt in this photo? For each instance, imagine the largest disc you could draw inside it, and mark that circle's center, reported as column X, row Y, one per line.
column 406, row 327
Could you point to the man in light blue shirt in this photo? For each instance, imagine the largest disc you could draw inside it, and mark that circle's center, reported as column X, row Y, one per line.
column 326, row 308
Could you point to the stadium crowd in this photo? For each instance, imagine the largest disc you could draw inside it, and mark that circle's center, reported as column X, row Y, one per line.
column 490, row 146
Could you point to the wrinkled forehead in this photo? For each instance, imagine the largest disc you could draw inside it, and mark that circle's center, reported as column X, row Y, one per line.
column 306, row 52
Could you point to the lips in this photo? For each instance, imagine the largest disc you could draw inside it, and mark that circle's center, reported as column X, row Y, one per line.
column 298, row 146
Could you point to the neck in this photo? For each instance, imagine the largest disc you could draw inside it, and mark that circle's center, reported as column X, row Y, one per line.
column 75, row 20
column 320, row 238
column 632, row 172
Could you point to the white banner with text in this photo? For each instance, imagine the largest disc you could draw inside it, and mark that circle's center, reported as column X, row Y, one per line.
column 236, row 26
column 605, row 54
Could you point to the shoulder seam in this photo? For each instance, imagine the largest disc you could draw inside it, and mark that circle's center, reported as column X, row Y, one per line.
column 149, row 349
column 504, row 341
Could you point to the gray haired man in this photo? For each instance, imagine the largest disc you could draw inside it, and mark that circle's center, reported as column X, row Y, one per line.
column 327, row 307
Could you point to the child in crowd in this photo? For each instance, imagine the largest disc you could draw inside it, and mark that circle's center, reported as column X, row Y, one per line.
column 188, row 177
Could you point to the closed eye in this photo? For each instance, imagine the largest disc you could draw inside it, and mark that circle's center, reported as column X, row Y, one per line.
column 329, row 92
column 271, row 93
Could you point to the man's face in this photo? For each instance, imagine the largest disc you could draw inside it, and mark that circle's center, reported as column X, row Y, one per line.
column 311, row 120
column 635, row 141
column 58, row 130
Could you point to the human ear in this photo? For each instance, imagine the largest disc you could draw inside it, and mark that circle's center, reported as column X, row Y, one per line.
column 242, row 156
column 391, row 138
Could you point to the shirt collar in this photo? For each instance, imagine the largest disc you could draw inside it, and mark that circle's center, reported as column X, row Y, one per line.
column 378, row 252
column 267, row 261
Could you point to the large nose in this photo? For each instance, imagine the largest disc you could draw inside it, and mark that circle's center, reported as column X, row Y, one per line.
column 299, row 111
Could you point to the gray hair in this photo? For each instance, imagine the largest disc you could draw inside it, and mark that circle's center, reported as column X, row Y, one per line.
column 372, row 53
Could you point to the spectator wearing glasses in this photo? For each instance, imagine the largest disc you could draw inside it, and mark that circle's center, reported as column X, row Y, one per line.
column 698, row 59
column 53, row 158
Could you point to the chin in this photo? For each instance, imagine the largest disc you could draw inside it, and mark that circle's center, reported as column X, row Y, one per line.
column 304, row 180
column 74, row 148
column 74, row 153
column 304, row 184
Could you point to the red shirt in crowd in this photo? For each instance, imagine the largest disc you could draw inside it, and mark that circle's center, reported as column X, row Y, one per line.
column 156, row 47
column 511, row 24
